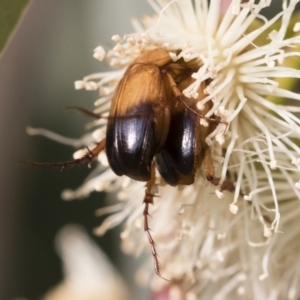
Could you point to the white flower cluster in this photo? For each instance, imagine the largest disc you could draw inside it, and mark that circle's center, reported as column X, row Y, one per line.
column 240, row 245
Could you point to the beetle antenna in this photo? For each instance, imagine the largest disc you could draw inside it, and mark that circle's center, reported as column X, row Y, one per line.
column 92, row 154
column 86, row 112
column 180, row 97
column 148, row 199
column 97, row 117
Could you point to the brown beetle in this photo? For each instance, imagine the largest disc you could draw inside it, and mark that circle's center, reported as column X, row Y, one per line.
column 139, row 116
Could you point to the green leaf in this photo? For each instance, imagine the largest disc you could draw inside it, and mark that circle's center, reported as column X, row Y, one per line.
column 11, row 12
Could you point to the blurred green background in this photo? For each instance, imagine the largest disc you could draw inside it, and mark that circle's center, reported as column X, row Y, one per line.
column 52, row 48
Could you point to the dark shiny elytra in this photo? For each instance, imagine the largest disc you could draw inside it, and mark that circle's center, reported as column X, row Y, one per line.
column 176, row 161
column 130, row 143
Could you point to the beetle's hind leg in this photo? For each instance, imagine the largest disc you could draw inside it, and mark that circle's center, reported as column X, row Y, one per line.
column 148, row 200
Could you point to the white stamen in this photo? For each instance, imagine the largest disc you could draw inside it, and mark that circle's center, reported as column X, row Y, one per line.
column 116, row 38
column 99, row 53
column 296, row 27
column 79, row 84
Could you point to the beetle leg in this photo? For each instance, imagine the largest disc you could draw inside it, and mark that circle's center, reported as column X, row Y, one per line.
column 148, row 200
column 226, row 185
column 174, row 87
column 92, row 154
column 210, row 174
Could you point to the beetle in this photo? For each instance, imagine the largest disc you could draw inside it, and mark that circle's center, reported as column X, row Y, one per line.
column 185, row 146
column 152, row 125
column 139, row 116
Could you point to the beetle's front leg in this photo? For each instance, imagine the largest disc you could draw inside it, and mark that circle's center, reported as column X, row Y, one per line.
column 210, row 174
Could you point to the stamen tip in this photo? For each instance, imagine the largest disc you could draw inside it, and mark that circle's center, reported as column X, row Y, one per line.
column 67, row 195
column 91, row 86
column 99, row 53
column 267, row 232
column 29, row 130
column 248, row 197
column 219, row 194
column 116, row 38
column 263, row 276
column 173, row 56
column 296, row 27
column 79, row 84
column 297, row 185
column 221, row 236
column 233, row 208
column 273, row 164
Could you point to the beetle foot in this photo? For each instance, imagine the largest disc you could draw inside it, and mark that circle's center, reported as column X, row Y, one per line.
column 226, row 185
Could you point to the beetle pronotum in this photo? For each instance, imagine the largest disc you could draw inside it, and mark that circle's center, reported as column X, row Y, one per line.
column 152, row 125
